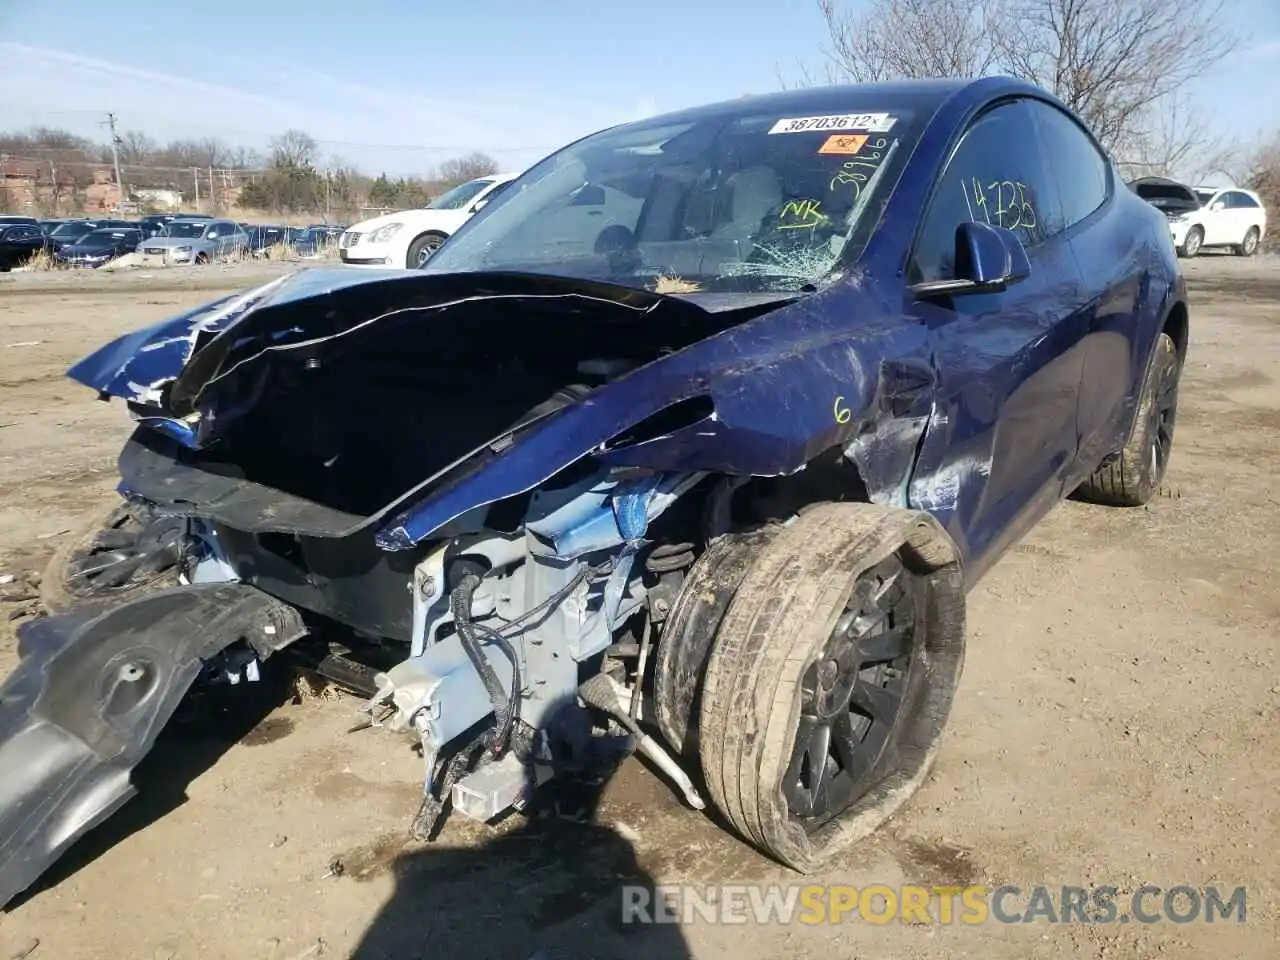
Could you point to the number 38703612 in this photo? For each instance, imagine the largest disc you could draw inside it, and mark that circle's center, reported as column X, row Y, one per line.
column 1001, row 203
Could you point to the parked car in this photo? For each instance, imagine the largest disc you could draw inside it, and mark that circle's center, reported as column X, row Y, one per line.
column 262, row 238
column 316, row 239
column 73, row 231
column 8, row 218
column 152, row 224
column 1207, row 217
column 196, row 241
column 748, row 394
column 51, row 224
column 408, row 237
column 99, row 246
column 18, row 243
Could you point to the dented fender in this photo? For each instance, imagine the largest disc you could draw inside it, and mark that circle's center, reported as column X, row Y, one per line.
column 784, row 388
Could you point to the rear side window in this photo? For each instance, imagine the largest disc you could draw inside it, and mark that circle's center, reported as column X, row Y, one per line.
column 996, row 175
column 1241, row 201
column 1082, row 173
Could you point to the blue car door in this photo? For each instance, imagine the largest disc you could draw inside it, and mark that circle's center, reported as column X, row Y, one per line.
column 1003, row 434
column 1117, row 253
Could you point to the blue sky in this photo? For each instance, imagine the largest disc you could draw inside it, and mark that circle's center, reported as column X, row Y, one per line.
column 401, row 85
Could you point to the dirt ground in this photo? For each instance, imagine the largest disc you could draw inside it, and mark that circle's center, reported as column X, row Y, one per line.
column 1116, row 723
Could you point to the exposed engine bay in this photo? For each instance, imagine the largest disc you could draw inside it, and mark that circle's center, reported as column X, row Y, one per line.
column 486, row 505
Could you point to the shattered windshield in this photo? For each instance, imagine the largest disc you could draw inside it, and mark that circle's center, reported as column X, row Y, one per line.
column 727, row 203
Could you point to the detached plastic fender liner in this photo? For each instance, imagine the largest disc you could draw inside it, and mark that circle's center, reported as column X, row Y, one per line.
column 89, row 698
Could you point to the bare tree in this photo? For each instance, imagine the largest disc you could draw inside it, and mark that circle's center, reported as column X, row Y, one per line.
column 1176, row 139
column 1115, row 62
column 294, row 148
column 897, row 39
column 1260, row 172
column 461, row 169
column 136, row 147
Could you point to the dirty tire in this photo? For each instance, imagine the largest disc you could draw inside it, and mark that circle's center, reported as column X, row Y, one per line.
column 1191, row 243
column 422, row 248
column 116, row 522
column 202, row 258
column 1249, row 245
column 690, row 630
column 1133, row 478
column 783, row 617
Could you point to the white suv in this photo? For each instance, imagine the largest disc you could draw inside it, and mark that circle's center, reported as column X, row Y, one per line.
column 1227, row 217
column 406, row 239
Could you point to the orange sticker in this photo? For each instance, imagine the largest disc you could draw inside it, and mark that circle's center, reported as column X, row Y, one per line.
column 843, row 143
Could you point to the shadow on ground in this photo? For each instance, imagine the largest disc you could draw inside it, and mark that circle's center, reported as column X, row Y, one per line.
column 554, row 888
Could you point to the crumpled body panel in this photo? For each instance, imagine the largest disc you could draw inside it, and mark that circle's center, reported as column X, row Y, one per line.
column 90, row 697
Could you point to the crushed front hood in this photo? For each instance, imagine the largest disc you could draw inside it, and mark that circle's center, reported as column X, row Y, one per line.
column 140, row 366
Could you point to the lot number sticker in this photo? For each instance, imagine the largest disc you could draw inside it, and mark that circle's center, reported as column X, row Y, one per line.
column 862, row 122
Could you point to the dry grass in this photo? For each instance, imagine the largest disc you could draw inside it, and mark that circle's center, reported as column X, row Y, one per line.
column 280, row 251
column 41, row 261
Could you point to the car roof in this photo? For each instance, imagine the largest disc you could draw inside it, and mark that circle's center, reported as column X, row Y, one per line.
column 831, row 99
column 1219, row 189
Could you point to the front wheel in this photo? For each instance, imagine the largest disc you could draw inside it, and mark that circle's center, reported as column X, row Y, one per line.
column 831, row 679
column 422, row 248
column 202, row 259
column 120, row 551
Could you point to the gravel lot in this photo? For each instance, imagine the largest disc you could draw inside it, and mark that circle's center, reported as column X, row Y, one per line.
column 1116, row 724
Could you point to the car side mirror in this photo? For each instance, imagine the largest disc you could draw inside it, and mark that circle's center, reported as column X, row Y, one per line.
column 987, row 260
column 478, row 206
column 1219, row 205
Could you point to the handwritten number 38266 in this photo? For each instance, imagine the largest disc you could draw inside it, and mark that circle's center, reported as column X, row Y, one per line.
column 1003, row 203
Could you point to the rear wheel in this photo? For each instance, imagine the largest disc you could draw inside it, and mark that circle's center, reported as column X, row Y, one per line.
column 831, row 678
column 202, row 258
column 119, row 552
column 1133, row 478
column 1192, row 243
column 1249, row 245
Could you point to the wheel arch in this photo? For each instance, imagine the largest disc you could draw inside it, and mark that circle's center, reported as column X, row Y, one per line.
column 421, row 234
column 1177, row 326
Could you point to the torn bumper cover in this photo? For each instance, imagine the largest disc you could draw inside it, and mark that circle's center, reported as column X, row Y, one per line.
column 89, row 698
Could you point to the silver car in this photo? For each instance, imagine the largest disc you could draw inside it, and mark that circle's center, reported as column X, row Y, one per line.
column 196, row 241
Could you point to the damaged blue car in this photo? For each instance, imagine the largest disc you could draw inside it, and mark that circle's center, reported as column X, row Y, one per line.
column 691, row 442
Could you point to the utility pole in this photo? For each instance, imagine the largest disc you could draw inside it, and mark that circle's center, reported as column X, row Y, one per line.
column 115, row 157
column 212, row 195
column 195, row 178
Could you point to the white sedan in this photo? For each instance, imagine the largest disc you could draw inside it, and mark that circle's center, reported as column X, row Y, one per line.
column 407, row 238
